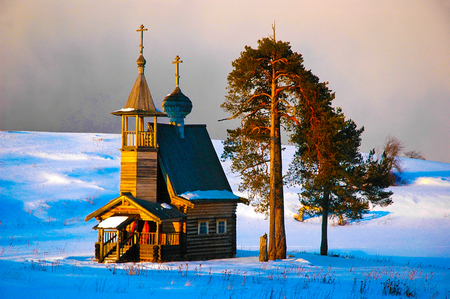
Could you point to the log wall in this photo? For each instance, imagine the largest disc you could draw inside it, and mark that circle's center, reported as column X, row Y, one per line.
column 138, row 173
column 159, row 253
column 211, row 245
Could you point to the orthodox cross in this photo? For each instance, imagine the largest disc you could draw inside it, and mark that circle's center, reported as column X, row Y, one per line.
column 177, row 63
column 142, row 38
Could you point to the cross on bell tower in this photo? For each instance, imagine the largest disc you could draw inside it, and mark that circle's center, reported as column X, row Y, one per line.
column 141, row 46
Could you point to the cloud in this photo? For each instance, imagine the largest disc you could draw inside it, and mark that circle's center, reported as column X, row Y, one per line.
column 66, row 66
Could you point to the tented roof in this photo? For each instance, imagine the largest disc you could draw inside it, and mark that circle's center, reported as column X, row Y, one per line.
column 140, row 101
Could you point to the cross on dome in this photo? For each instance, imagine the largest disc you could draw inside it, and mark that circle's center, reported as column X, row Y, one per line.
column 177, row 70
column 141, row 46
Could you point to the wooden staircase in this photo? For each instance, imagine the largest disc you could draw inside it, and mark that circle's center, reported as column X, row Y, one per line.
column 127, row 254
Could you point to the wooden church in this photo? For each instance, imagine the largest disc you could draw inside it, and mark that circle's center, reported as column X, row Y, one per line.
column 175, row 201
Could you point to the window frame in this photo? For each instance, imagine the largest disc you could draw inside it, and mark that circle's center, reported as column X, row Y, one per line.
column 200, row 227
column 225, row 221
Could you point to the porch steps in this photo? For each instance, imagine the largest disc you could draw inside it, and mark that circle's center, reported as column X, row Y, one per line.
column 112, row 256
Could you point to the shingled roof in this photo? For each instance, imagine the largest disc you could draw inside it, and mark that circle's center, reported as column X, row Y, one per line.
column 191, row 163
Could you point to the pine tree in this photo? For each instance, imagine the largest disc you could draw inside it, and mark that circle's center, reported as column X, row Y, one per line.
column 261, row 92
column 268, row 89
column 336, row 179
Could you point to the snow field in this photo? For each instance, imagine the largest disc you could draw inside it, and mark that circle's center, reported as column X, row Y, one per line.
column 50, row 181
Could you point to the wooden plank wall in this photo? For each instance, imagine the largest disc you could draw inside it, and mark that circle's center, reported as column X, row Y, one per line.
column 138, row 174
column 211, row 245
column 158, row 253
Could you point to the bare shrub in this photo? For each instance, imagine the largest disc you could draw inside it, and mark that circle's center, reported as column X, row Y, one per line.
column 414, row 155
column 392, row 149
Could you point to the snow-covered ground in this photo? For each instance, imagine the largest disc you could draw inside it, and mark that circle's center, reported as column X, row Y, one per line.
column 50, row 181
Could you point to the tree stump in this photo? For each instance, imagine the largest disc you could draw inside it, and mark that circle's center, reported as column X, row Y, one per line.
column 263, row 257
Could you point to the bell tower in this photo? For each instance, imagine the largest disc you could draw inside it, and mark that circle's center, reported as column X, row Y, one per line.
column 139, row 149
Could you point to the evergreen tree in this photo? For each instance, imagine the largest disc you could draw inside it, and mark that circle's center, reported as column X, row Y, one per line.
column 261, row 92
column 336, row 179
column 268, row 89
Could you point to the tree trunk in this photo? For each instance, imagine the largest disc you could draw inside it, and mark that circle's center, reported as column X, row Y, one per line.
column 272, row 193
column 279, row 198
column 272, row 249
column 277, row 244
column 325, row 206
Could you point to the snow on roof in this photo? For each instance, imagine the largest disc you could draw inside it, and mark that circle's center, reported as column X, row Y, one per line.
column 112, row 222
column 166, row 206
column 210, row 194
column 125, row 110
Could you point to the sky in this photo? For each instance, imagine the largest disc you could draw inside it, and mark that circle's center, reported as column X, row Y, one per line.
column 65, row 65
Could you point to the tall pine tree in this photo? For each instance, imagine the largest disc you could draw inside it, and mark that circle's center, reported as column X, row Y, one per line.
column 261, row 92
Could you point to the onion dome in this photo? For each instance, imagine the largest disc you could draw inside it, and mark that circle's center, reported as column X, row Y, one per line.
column 176, row 105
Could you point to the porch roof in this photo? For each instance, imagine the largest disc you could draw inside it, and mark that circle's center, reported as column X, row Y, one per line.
column 157, row 211
column 115, row 222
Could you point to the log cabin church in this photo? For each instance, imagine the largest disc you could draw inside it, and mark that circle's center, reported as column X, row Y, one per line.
column 175, row 201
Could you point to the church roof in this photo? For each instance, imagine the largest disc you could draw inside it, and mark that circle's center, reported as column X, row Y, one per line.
column 140, row 100
column 191, row 164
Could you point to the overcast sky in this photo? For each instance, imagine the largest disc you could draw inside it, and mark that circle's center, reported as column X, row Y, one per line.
column 65, row 65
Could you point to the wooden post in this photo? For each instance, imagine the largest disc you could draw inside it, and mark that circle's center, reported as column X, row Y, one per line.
column 157, row 234
column 118, row 244
column 100, row 240
column 154, row 132
column 137, row 131
column 124, row 125
column 263, row 248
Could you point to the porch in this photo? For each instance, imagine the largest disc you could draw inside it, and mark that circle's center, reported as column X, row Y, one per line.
column 131, row 240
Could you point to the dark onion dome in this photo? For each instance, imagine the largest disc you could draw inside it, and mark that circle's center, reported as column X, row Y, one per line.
column 177, row 106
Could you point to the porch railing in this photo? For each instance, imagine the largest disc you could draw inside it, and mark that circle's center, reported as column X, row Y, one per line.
column 147, row 238
column 164, row 239
column 170, row 239
column 110, row 242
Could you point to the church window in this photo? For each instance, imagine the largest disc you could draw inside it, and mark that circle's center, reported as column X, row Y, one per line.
column 221, row 226
column 203, row 227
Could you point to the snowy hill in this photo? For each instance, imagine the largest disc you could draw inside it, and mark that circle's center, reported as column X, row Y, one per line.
column 50, row 181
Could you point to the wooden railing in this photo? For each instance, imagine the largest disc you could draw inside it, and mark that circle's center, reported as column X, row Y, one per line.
column 142, row 139
column 109, row 243
column 164, row 239
column 170, row 239
column 147, row 238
